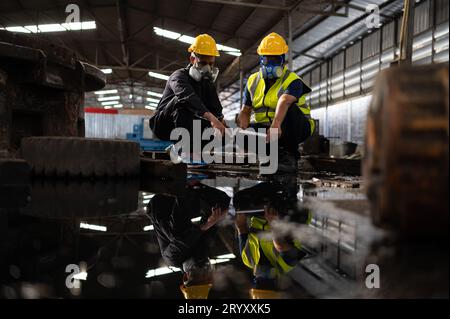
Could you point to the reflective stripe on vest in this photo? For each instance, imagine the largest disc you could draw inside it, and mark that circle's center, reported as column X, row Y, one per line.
column 264, row 105
column 251, row 253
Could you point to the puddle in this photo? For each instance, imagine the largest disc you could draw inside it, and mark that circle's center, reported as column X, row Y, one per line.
column 286, row 237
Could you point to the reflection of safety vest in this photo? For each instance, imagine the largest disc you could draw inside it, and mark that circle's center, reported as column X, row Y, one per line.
column 251, row 253
column 264, row 105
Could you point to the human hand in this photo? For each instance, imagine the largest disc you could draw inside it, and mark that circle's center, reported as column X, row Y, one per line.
column 217, row 214
column 218, row 126
column 273, row 133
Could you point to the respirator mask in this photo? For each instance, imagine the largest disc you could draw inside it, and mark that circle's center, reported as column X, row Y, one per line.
column 272, row 66
column 205, row 72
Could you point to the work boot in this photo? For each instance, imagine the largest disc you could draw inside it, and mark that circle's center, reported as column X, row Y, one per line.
column 287, row 161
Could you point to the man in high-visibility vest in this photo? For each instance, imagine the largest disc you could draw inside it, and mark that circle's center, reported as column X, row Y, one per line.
column 277, row 97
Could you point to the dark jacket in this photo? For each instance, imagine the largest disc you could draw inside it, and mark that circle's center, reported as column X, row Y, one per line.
column 184, row 92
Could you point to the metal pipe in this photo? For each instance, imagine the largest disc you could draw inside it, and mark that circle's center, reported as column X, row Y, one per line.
column 289, row 25
column 407, row 33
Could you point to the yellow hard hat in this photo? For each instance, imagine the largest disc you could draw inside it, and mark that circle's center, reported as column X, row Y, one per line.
column 273, row 44
column 264, row 294
column 196, row 291
column 204, row 44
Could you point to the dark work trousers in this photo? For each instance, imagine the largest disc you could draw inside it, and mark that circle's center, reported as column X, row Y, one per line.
column 295, row 129
column 176, row 116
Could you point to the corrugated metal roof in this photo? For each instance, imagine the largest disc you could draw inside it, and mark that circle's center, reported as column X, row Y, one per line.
column 316, row 44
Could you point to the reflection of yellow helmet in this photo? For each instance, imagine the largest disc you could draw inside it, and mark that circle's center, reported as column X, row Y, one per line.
column 196, row 291
column 204, row 44
column 273, row 44
column 264, row 294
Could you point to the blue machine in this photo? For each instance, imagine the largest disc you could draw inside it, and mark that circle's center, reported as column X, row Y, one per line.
column 148, row 145
column 152, row 145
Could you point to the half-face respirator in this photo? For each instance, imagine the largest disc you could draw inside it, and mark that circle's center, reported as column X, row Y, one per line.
column 205, row 72
column 272, row 66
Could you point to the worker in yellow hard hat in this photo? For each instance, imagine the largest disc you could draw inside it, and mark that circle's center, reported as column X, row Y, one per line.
column 190, row 93
column 277, row 98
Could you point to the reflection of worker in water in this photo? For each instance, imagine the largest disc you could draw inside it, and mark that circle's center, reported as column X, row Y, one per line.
column 267, row 253
column 184, row 244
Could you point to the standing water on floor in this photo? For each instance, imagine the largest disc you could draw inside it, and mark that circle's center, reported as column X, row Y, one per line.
column 215, row 236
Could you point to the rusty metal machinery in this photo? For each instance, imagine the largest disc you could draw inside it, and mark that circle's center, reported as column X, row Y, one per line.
column 406, row 155
column 41, row 90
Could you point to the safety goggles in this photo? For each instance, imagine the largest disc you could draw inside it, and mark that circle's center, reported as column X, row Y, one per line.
column 271, row 60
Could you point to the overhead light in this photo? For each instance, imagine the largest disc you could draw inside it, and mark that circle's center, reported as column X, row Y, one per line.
column 150, row 99
column 148, row 107
column 158, row 75
column 53, row 27
column 196, row 219
column 218, row 261
column 73, row 26
column 154, row 94
column 229, row 256
column 93, row 227
column 161, row 271
column 168, row 270
column 106, row 92
column 188, row 39
column 80, row 276
column 108, row 98
column 106, row 71
column 148, row 228
column 107, row 107
column 166, row 33
column 117, row 106
column 110, row 103
column 229, row 50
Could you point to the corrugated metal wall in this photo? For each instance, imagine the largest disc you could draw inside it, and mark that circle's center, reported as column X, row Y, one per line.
column 354, row 69
column 110, row 125
column 344, row 121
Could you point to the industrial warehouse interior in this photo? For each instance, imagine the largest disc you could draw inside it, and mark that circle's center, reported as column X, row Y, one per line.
column 224, row 149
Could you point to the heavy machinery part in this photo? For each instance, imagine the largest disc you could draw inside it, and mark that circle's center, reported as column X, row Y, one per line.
column 406, row 150
column 84, row 199
column 41, row 90
column 74, row 156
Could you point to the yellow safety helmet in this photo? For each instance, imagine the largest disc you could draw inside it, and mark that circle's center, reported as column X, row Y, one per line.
column 204, row 44
column 273, row 44
column 264, row 294
column 196, row 291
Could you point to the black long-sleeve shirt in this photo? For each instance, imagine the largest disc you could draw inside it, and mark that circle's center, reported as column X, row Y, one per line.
column 198, row 97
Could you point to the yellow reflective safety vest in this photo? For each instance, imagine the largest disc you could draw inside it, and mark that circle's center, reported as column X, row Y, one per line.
column 255, row 244
column 264, row 105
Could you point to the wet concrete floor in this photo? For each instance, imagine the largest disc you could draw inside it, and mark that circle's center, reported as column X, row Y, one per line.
column 306, row 236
